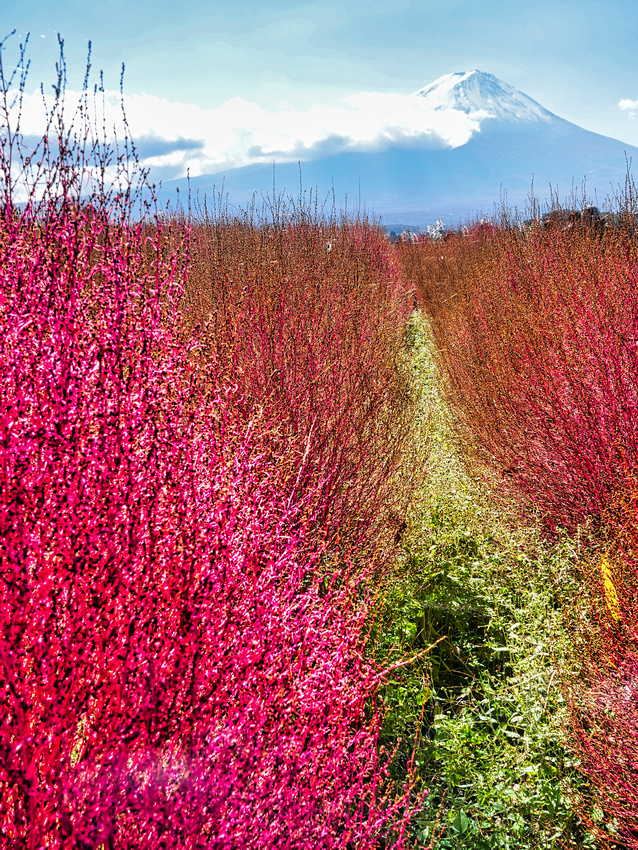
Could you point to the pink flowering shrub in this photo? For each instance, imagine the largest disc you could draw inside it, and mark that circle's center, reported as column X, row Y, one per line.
column 309, row 318
column 603, row 692
column 179, row 660
column 536, row 337
column 182, row 660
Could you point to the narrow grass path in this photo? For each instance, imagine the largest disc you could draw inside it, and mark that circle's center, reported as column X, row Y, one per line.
column 491, row 747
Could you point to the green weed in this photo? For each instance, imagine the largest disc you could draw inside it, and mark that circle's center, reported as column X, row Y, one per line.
column 482, row 709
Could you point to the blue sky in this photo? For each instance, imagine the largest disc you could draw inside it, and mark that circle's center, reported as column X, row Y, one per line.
column 246, row 79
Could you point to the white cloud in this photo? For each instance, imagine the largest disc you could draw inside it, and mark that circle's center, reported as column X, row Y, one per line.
column 630, row 106
column 174, row 136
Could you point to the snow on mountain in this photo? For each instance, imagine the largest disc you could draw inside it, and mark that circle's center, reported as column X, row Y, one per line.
column 514, row 145
column 475, row 92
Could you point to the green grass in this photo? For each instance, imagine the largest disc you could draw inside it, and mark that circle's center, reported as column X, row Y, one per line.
column 486, row 700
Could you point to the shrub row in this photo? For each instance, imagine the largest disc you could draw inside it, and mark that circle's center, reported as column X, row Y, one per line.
column 309, row 319
column 536, row 337
column 182, row 658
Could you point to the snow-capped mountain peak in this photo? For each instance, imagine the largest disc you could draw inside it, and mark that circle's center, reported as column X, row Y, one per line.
column 477, row 92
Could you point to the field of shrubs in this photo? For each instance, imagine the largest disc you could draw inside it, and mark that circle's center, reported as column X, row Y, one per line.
column 308, row 540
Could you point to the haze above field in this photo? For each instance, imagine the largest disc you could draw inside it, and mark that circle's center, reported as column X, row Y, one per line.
column 211, row 87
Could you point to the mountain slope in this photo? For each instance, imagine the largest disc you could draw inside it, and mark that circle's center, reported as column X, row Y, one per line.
column 518, row 144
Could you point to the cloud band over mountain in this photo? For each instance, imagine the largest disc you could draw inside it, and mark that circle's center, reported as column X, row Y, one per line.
column 172, row 138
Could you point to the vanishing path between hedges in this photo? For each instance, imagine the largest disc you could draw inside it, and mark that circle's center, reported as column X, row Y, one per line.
column 492, row 751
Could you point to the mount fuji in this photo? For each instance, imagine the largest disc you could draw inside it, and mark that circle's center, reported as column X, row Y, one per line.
column 513, row 147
